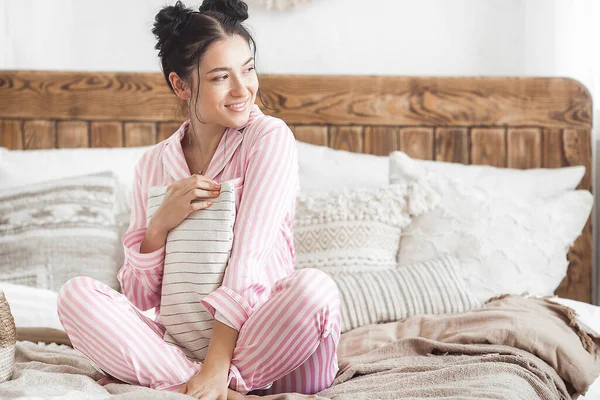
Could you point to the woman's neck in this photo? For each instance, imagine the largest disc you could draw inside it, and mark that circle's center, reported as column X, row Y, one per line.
column 200, row 143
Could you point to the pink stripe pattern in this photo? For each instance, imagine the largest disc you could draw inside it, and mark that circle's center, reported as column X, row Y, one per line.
column 288, row 322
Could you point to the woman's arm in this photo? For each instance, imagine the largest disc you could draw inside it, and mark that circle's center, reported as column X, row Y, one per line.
column 270, row 190
column 141, row 274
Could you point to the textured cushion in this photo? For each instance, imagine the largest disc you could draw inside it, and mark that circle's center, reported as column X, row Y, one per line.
column 356, row 229
column 55, row 230
column 507, row 242
column 197, row 252
column 429, row 287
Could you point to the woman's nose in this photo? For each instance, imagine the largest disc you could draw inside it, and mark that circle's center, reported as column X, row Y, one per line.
column 238, row 88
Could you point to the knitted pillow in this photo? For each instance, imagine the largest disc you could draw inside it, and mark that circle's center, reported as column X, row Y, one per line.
column 8, row 340
column 429, row 287
column 356, row 229
column 53, row 231
column 197, row 252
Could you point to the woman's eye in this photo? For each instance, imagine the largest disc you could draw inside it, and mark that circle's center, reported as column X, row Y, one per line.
column 220, row 78
column 250, row 68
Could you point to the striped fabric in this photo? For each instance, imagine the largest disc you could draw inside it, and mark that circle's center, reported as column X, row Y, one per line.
column 429, row 287
column 263, row 155
column 196, row 256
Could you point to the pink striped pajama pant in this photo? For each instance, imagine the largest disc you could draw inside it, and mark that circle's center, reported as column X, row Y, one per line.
column 290, row 340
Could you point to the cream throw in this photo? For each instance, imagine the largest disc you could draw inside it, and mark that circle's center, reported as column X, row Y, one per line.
column 197, row 252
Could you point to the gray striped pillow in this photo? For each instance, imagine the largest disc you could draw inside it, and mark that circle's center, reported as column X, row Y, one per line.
column 428, row 287
column 197, row 252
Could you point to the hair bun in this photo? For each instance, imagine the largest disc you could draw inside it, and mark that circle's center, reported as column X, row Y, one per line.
column 168, row 24
column 236, row 10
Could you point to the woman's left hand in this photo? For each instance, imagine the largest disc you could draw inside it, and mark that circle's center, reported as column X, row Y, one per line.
column 206, row 385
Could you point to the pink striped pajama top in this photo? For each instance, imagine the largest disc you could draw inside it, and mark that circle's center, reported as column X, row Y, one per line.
column 263, row 154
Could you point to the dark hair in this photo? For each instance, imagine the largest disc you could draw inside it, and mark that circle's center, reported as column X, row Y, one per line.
column 184, row 35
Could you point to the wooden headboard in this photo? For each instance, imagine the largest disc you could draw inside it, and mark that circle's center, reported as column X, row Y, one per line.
column 505, row 122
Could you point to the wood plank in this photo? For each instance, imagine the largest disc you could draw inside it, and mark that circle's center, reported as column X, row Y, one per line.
column 427, row 101
column 381, row 140
column 71, row 134
column 313, row 134
column 577, row 150
column 524, row 148
column 166, row 129
column 553, row 155
column 577, row 285
column 349, row 138
column 488, row 146
column 39, row 134
column 106, row 134
column 140, row 134
column 309, row 99
column 452, row 145
column 417, row 142
column 11, row 134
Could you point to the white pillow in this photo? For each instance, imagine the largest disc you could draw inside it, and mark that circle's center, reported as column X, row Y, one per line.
column 507, row 243
column 323, row 168
column 32, row 307
column 22, row 167
column 536, row 181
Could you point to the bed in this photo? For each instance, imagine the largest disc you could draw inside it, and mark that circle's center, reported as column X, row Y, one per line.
column 506, row 122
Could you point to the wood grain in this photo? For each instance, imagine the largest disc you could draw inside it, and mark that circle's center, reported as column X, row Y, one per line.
column 488, row 146
column 524, row 147
column 106, row 134
column 417, row 142
column 310, row 99
column 140, row 134
column 72, row 134
column 166, row 129
column 39, row 134
column 427, row 101
column 452, row 145
column 11, row 134
column 349, row 138
column 311, row 134
column 553, row 154
column 381, row 140
column 577, row 150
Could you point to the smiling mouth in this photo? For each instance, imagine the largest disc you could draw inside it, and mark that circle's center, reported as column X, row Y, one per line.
column 241, row 106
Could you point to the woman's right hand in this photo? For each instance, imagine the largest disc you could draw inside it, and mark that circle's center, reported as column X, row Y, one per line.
column 181, row 199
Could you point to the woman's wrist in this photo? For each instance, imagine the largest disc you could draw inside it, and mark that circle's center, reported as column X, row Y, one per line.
column 154, row 239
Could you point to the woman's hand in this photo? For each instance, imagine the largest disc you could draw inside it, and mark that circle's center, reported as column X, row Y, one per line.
column 206, row 385
column 181, row 199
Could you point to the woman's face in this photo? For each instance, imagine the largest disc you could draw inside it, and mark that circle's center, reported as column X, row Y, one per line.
column 228, row 83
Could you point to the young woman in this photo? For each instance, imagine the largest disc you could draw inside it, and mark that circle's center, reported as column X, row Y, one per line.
column 275, row 329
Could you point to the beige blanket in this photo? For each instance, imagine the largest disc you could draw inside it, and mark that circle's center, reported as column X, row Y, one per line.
column 515, row 348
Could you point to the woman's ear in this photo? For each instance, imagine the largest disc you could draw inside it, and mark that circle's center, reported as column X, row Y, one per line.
column 179, row 86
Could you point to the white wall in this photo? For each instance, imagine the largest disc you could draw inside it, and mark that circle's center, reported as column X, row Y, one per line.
column 394, row 37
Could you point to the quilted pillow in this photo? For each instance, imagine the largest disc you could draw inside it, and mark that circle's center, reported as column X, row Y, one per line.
column 52, row 231
column 428, row 287
column 197, row 252
column 507, row 242
column 356, row 229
